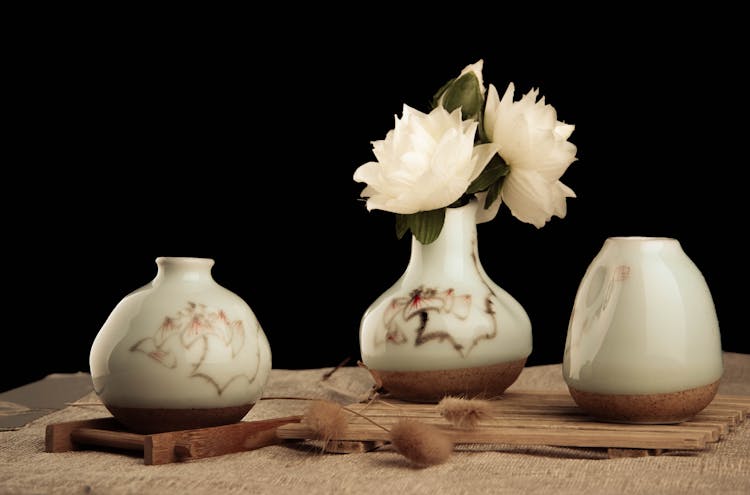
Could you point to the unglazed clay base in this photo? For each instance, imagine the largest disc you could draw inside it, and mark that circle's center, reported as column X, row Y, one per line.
column 674, row 407
column 432, row 386
column 146, row 420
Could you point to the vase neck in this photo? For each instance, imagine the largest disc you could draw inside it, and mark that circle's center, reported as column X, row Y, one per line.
column 454, row 253
column 183, row 269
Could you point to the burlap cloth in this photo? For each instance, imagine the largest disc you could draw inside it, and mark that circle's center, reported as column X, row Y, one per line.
column 723, row 468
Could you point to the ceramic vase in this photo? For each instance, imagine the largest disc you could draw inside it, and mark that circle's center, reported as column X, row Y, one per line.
column 445, row 328
column 643, row 342
column 181, row 352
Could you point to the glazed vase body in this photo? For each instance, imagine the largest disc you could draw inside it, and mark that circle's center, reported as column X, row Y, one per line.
column 181, row 352
column 643, row 324
column 445, row 327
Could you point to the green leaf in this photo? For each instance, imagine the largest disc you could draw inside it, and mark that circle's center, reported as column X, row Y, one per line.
column 463, row 200
column 464, row 92
column 481, row 131
column 494, row 170
column 426, row 225
column 493, row 192
column 481, row 137
column 402, row 225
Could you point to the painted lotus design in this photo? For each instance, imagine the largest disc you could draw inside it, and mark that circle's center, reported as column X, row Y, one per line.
column 202, row 336
column 410, row 315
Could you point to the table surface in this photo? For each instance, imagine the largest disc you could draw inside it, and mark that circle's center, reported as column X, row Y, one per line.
column 723, row 467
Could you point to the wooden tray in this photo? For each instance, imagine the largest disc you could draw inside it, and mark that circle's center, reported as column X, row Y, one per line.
column 520, row 418
column 533, row 418
column 164, row 448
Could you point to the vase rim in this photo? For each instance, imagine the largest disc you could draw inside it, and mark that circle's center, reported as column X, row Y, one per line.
column 471, row 206
column 183, row 260
column 640, row 238
column 471, row 203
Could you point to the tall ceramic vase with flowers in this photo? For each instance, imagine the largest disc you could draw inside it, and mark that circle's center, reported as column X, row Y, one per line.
column 445, row 328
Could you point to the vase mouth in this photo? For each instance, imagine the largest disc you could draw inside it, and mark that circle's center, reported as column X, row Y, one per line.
column 640, row 238
column 184, row 260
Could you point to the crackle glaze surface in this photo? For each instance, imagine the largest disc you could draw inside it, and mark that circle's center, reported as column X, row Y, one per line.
column 643, row 322
column 182, row 341
column 445, row 312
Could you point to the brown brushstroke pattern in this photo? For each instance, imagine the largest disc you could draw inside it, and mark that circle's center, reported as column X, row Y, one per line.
column 159, row 352
column 395, row 335
column 439, row 335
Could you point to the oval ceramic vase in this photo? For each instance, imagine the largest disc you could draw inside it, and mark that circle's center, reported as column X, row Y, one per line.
column 444, row 328
column 643, row 342
column 181, row 352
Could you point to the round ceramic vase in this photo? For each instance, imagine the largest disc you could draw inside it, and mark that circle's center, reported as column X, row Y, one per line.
column 643, row 342
column 181, row 352
column 444, row 328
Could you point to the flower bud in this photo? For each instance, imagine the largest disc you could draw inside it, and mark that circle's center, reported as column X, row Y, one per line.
column 466, row 91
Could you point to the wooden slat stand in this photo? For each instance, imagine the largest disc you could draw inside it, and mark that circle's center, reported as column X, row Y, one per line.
column 537, row 418
column 164, row 448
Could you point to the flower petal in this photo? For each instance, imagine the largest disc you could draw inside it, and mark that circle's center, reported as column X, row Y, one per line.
column 482, row 154
column 529, row 197
column 369, row 172
column 476, row 68
column 490, row 111
column 485, row 215
column 563, row 131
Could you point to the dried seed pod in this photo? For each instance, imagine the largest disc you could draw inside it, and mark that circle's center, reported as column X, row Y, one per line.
column 326, row 419
column 421, row 443
column 463, row 413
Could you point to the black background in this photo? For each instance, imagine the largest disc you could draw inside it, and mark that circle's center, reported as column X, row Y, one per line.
column 235, row 137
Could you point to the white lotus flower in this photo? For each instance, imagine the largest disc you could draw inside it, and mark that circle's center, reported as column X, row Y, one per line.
column 535, row 146
column 426, row 162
